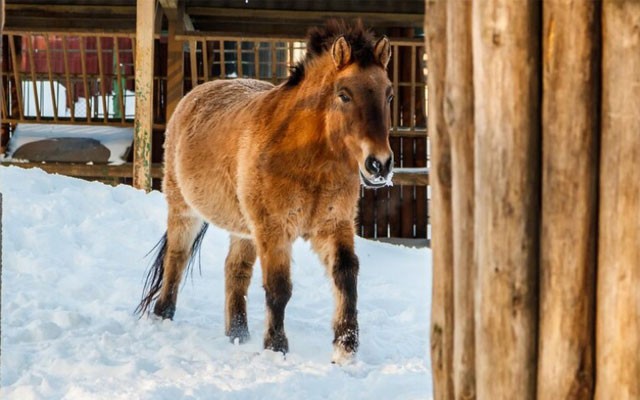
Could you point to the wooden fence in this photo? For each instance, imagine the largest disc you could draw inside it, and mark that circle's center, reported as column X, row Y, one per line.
column 535, row 121
column 40, row 69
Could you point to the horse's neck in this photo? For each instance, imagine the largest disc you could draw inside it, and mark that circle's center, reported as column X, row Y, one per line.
column 306, row 104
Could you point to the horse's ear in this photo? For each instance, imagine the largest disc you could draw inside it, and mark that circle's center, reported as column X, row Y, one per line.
column 341, row 52
column 382, row 51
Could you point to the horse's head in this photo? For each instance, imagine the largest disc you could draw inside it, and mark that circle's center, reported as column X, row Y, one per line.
column 359, row 114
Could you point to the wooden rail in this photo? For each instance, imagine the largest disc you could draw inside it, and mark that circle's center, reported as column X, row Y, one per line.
column 403, row 176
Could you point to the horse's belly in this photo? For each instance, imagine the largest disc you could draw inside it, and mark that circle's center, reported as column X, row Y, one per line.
column 210, row 189
column 218, row 207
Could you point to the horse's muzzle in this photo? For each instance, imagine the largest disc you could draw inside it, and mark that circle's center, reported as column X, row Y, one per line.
column 376, row 182
column 379, row 173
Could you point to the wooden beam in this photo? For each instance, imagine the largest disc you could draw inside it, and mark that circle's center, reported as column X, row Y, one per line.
column 618, row 291
column 401, row 19
column 411, row 176
column 144, row 94
column 66, row 31
column 458, row 114
column 569, row 200
column 402, row 176
column 83, row 25
column 506, row 78
column 175, row 10
column 169, row 4
column 19, row 9
column 87, row 171
column 442, row 234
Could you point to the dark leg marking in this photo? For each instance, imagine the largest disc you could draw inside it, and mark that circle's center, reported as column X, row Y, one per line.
column 165, row 309
column 345, row 276
column 238, row 270
column 278, row 293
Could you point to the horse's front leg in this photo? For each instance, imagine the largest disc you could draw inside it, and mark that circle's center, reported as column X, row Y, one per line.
column 275, row 258
column 336, row 250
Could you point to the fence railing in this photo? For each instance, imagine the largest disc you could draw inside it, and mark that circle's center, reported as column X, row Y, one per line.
column 68, row 78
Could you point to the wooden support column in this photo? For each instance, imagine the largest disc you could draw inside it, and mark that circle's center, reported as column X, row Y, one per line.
column 4, row 98
column 174, row 12
column 442, row 236
column 175, row 69
column 458, row 114
column 506, row 76
column 569, row 200
column 618, row 292
column 145, row 18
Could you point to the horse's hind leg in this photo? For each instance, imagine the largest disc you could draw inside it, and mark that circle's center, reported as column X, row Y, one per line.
column 182, row 229
column 238, row 268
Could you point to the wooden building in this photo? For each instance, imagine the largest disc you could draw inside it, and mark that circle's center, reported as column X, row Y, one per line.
column 104, row 52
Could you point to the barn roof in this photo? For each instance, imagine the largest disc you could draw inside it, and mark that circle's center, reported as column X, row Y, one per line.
column 259, row 17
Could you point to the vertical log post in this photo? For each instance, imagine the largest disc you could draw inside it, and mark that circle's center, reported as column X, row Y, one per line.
column 569, row 200
column 145, row 18
column 546, row 220
column 175, row 59
column 618, row 292
column 4, row 98
column 1, row 88
column 458, row 114
column 442, row 236
column 506, row 110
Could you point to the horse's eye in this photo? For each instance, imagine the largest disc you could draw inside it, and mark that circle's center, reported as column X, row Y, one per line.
column 389, row 98
column 344, row 98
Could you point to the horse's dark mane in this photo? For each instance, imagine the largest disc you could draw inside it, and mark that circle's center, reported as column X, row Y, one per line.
column 320, row 39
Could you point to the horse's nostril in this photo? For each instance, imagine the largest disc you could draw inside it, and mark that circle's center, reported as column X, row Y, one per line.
column 372, row 165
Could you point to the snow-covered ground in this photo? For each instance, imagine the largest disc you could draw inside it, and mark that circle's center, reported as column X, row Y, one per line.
column 73, row 267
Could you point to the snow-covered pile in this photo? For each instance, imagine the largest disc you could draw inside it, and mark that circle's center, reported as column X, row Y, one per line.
column 73, row 267
column 117, row 140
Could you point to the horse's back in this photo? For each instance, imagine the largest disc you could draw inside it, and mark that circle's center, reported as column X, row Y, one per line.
column 201, row 146
column 211, row 100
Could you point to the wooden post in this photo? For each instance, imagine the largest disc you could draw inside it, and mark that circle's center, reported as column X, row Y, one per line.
column 145, row 18
column 442, row 297
column 4, row 128
column 175, row 56
column 569, row 200
column 618, row 292
column 1, row 88
column 458, row 114
column 506, row 110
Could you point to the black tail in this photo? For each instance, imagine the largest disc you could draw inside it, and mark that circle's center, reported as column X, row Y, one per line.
column 153, row 281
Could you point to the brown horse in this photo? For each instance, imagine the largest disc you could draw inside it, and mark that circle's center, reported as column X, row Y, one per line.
column 273, row 163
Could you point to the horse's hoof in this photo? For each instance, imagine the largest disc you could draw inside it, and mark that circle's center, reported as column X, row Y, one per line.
column 240, row 334
column 341, row 356
column 347, row 339
column 277, row 343
column 165, row 311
